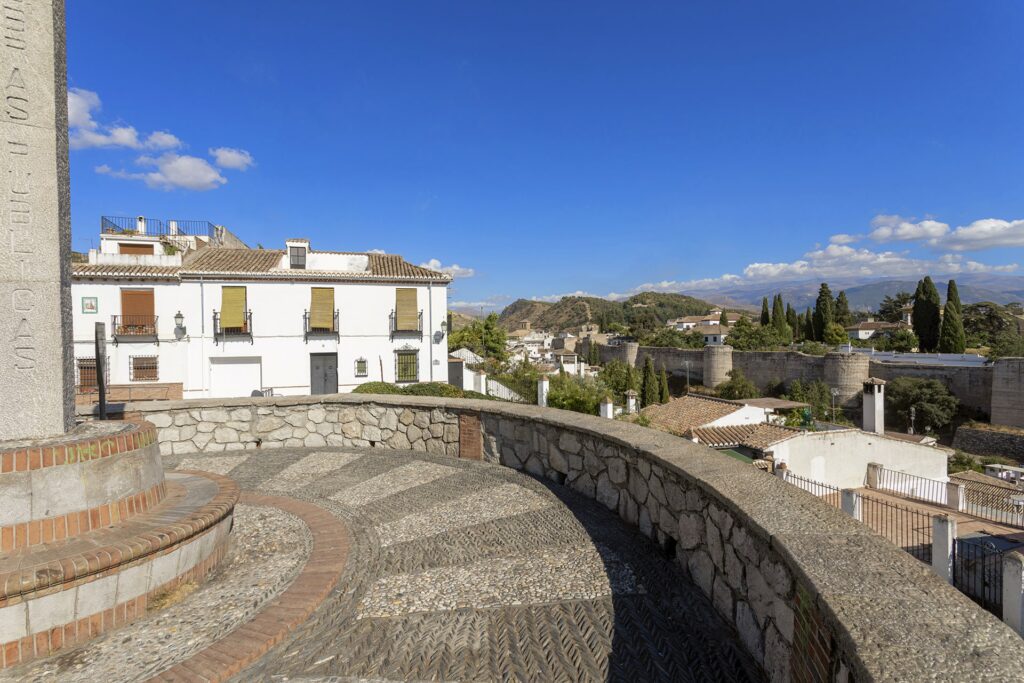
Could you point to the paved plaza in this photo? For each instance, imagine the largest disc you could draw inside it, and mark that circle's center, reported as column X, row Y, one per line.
column 455, row 570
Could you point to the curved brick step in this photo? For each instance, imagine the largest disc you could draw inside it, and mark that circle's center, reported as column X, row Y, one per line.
column 60, row 593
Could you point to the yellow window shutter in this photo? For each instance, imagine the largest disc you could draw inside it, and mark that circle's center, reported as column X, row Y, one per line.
column 232, row 307
column 321, row 308
column 406, row 311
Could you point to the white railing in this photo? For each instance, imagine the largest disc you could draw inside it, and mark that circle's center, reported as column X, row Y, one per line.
column 499, row 390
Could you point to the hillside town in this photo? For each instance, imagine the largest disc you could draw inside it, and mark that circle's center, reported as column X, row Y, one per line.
column 361, row 417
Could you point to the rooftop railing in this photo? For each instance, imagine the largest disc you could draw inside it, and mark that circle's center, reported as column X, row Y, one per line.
column 127, row 225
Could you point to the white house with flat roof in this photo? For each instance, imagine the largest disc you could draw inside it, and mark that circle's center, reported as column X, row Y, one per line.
column 198, row 315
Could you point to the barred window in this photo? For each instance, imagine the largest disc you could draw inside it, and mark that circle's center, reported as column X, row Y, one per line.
column 143, row 369
column 407, row 366
column 297, row 258
column 85, row 369
column 361, row 370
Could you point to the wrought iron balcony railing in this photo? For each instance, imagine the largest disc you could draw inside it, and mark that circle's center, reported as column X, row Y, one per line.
column 396, row 328
column 129, row 327
column 221, row 333
column 311, row 330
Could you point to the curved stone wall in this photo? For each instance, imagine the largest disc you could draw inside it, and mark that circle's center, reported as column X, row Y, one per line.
column 812, row 593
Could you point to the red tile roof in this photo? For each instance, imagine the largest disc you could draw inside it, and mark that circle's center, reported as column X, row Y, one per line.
column 686, row 412
column 123, row 271
column 755, row 436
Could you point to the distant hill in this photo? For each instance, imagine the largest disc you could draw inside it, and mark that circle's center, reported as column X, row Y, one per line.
column 572, row 312
column 460, row 320
column 866, row 295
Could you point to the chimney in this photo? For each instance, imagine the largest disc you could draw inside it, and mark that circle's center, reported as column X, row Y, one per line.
column 874, row 405
column 140, row 225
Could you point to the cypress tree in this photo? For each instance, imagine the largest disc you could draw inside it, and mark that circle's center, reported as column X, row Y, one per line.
column 793, row 322
column 663, row 392
column 765, row 317
column 927, row 321
column 808, row 325
column 843, row 316
column 649, row 391
column 723, row 319
column 824, row 312
column 779, row 315
column 951, row 337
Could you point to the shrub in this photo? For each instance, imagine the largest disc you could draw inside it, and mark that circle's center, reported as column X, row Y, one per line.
column 432, row 389
column 737, row 387
column 934, row 406
column 576, row 394
column 377, row 388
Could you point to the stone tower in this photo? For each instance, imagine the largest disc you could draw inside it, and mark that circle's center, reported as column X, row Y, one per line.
column 717, row 364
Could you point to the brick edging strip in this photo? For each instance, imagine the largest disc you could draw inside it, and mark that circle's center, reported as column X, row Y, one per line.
column 83, row 449
column 254, row 638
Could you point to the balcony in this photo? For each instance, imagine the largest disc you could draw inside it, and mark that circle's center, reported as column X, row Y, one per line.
column 125, row 328
column 231, row 333
column 309, row 330
column 396, row 329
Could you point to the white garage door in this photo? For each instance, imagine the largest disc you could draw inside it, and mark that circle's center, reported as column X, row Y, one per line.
column 235, row 377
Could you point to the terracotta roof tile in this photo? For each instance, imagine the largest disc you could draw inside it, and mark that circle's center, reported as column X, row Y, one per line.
column 265, row 262
column 126, row 271
column 686, row 412
column 756, row 436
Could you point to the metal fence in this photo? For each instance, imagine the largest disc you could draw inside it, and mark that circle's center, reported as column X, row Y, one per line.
column 995, row 503
column 829, row 494
column 911, row 486
column 509, row 389
column 905, row 527
column 978, row 572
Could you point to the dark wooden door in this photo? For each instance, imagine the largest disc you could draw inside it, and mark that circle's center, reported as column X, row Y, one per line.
column 323, row 373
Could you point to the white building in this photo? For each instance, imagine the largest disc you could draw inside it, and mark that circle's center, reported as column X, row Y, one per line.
column 219, row 321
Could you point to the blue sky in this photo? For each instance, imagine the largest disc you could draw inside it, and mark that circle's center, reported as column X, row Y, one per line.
column 547, row 148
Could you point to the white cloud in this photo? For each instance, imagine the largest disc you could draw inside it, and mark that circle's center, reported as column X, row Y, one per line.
column 172, row 171
column 161, row 139
column 987, row 233
column 376, row 251
column 80, row 105
column 229, row 157
column 455, row 270
column 892, row 228
column 844, row 238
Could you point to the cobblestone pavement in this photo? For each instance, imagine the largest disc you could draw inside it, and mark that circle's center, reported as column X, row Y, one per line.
column 474, row 572
column 269, row 549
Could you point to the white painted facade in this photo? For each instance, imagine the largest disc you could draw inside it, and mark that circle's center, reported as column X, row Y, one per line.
column 840, row 457
column 277, row 354
column 744, row 415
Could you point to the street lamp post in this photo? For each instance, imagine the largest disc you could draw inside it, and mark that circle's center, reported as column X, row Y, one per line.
column 834, row 392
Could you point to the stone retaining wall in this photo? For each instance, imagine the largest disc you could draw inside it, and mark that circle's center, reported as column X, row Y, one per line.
column 813, row 594
column 980, row 440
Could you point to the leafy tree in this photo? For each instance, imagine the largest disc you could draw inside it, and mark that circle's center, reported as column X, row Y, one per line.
column 745, row 336
column 483, row 337
column 664, row 396
column 593, row 355
column 581, row 395
column 765, row 317
column 903, row 341
column 984, row 321
column 737, row 387
column 927, row 320
column 813, row 348
column 891, row 308
column 934, row 406
column 824, row 312
column 835, row 335
column 642, row 320
column 649, row 390
column 815, row 393
column 671, row 338
column 808, row 326
column 842, row 313
column 619, row 378
column 951, row 335
column 1007, row 344
column 723, row 319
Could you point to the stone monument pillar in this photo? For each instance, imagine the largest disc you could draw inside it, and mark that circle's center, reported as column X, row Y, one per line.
column 36, row 374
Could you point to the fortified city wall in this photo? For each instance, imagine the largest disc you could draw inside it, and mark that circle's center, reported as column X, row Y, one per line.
column 812, row 593
column 996, row 389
